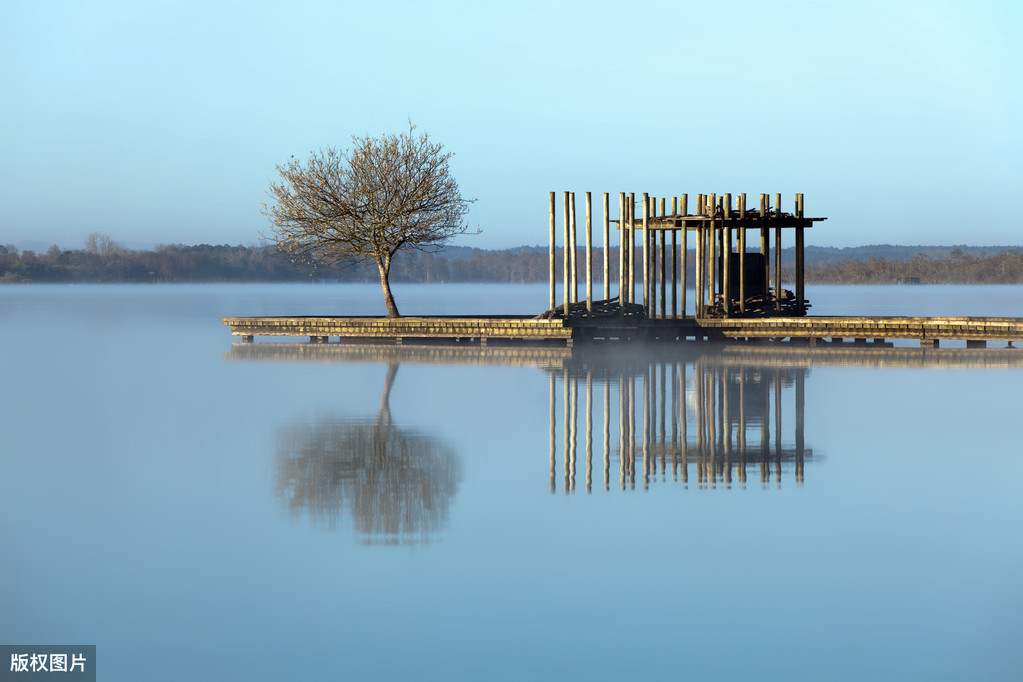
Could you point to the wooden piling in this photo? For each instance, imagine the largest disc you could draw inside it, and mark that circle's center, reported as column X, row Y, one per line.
column 742, row 253
column 726, row 261
column 574, row 256
column 662, row 263
column 684, row 255
column 621, row 249
column 552, row 260
column 699, row 262
column 632, row 244
column 589, row 255
column 674, row 262
column 646, row 252
column 720, row 262
column 712, row 253
column 566, row 263
column 649, row 240
column 765, row 240
column 800, row 279
column 777, row 255
column 607, row 248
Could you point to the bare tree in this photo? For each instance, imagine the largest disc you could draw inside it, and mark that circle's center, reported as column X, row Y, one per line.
column 102, row 244
column 367, row 203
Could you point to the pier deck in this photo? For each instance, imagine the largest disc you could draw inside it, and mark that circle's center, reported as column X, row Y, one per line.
column 406, row 329
column 976, row 331
column 930, row 331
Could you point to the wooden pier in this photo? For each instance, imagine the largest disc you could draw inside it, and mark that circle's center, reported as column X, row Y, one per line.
column 399, row 330
column 736, row 279
column 931, row 331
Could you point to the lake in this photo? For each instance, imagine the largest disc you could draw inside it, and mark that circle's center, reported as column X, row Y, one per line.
column 199, row 509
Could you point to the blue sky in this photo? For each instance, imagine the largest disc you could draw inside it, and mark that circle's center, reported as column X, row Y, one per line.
column 161, row 122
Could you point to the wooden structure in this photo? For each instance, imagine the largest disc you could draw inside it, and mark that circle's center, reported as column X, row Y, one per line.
column 398, row 330
column 736, row 280
column 730, row 278
column 976, row 331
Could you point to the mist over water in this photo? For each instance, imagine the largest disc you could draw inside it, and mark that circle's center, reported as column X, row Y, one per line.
column 201, row 509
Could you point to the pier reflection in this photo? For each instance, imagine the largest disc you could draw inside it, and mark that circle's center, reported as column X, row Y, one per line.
column 713, row 420
column 396, row 484
column 693, row 414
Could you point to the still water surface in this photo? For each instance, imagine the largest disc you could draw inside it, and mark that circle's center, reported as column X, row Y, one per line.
column 201, row 510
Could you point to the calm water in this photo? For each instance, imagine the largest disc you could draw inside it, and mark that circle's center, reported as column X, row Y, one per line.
column 201, row 510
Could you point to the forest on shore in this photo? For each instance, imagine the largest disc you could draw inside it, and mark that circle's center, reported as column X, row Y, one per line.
column 103, row 260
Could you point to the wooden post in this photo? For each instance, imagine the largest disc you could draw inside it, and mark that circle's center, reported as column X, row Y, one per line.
column 621, row 249
column 646, row 253
column 651, row 242
column 720, row 262
column 712, row 253
column 699, row 262
column 708, row 252
column 607, row 248
column 684, row 255
column 800, row 280
column 574, row 256
column 742, row 253
column 726, row 260
column 664, row 297
column 565, row 262
column 649, row 258
column 632, row 244
column 765, row 243
column 552, row 261
column 589, row 255
column 674, row 262
column 777, row 253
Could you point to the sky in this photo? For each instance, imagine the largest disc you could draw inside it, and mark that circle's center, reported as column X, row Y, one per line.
column 162, row 122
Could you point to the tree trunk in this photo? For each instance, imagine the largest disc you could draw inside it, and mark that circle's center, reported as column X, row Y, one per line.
column 384, row 265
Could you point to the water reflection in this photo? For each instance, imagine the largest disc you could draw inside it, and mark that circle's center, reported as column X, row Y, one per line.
column 706, row 415
column 524, row 355
column 718, row 418
column 396, row 484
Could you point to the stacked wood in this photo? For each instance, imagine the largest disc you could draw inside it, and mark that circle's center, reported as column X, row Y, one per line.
column 607, row 308
column 759, row 306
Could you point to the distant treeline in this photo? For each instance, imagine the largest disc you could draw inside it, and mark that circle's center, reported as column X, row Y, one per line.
column 958, row 267
column 103, row 260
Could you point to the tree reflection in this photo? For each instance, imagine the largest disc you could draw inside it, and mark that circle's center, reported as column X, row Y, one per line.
column 396, row 484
